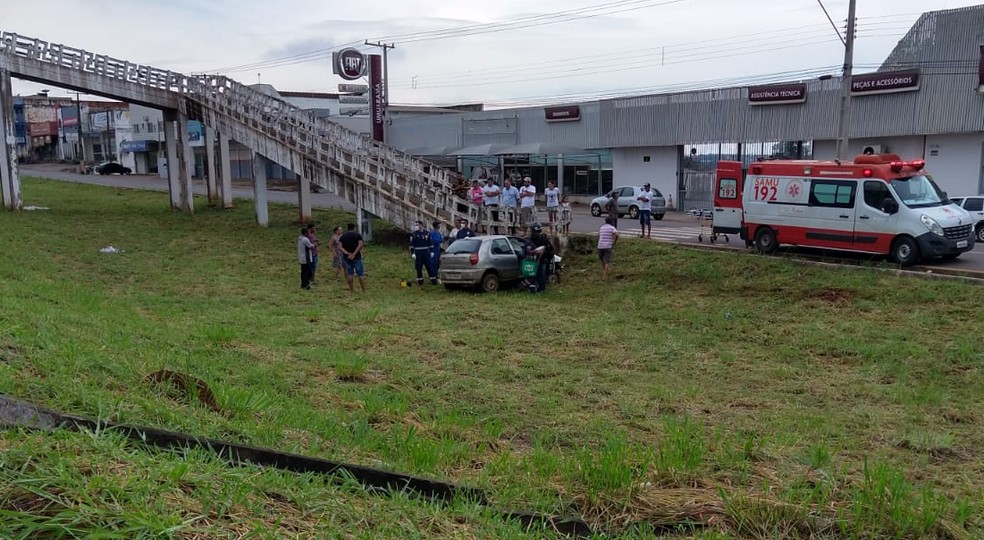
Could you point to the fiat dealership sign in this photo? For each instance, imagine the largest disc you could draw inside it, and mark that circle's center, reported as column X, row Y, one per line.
column 349, row 64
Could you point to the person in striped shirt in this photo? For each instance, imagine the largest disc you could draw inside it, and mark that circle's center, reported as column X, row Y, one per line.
column 607, row 237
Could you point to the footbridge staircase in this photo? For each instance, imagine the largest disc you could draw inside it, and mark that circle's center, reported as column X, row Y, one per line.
column 378, row 179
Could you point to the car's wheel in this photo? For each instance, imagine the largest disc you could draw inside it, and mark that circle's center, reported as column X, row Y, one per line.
column 490, row 282
column 595, row 209
column 634, row 212
column 658, row 217
column 980, row 232
column 905, row 251
column 766, row 241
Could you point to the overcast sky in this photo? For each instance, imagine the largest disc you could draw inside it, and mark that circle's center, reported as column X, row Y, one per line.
column 509, row 55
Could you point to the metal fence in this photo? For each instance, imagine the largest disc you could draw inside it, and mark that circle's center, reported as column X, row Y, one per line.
column 697, row 190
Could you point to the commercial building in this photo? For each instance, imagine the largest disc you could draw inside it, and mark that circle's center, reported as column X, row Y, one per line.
column 926, row 100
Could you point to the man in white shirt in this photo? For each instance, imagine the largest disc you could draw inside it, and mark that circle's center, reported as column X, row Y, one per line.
column 527, row 204
column 645, row 199
column 492, row 195
column 305, row 257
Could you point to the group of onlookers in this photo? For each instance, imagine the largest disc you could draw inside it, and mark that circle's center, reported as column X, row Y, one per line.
column 491, row 201
column 346, row 255
column 426, row 245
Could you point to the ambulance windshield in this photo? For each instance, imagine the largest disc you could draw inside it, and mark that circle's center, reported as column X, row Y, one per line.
column 918, row 192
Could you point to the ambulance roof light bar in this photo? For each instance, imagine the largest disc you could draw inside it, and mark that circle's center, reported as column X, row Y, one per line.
column 916, row 165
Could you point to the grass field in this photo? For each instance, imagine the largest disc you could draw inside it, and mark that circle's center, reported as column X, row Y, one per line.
column 696, row 394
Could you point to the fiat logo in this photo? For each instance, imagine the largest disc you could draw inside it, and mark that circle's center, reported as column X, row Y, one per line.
column 351, row 64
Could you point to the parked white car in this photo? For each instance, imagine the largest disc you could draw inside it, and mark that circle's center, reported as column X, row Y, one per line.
column 628, row 203
column 974, row 205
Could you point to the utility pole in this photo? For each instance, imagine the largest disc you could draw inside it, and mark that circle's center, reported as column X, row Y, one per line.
column 845, row 101
column 386, row 84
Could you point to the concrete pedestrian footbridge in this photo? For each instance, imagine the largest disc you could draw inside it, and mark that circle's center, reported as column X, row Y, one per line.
column 378, row 179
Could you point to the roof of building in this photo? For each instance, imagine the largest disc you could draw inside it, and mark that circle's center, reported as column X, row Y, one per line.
column 944, row 46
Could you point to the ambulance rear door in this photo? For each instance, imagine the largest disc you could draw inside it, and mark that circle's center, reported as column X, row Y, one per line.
column 727, row 197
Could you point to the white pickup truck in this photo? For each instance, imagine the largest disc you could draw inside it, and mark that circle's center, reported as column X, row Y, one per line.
column 975, row 206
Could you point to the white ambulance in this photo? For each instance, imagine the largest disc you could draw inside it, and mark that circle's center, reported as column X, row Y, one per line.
column 875, row 204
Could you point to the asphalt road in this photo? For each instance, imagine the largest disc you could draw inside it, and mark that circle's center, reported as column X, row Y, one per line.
column 676, row 227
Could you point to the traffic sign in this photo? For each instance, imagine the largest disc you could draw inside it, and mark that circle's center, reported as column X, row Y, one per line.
column 357, row 100
column 353, row 88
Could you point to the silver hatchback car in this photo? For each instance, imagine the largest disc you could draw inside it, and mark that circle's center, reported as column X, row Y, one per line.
column 628, row 204
column 487, row 262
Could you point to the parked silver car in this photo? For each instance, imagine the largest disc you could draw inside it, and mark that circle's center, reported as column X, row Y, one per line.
column 628, row 203
column 974, row 205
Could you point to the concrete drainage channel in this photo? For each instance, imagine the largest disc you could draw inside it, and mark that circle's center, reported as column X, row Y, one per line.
column 17, row 413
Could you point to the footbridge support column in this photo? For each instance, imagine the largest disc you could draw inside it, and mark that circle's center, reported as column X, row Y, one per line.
column 210, row 174
column 260, row 190
column 171, row 155
column 9, row 177
column 225, row 166
column 187, row 160
column 304, row 194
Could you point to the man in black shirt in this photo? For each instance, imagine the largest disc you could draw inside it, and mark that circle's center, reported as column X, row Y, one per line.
column 543, row 248
column 351, row 245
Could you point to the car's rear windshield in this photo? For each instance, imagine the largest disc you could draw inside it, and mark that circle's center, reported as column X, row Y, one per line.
column 465, row 245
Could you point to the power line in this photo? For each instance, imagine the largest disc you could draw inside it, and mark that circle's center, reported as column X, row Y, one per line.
column 678, row 87
column 523, row 22
column 298, row 58
column 560, row 65
column 834, row 26
column 681, row 59
column 607, row 8
column 664, row 52
column 320, row 54
column 622, row 54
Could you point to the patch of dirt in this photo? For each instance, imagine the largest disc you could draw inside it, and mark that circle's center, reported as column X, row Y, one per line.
column 957, row 417
column 9, row 352
column 190, row 388
column 938, row 453
column 832, row 296
column 744, row 404
column 31, row 503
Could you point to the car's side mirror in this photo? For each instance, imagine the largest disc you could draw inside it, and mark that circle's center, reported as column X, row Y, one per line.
column 890, row 206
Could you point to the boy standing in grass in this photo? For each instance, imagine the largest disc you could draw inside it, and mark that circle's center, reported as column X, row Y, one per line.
column 566, row 215
column 607, row 237
column 304, row 257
